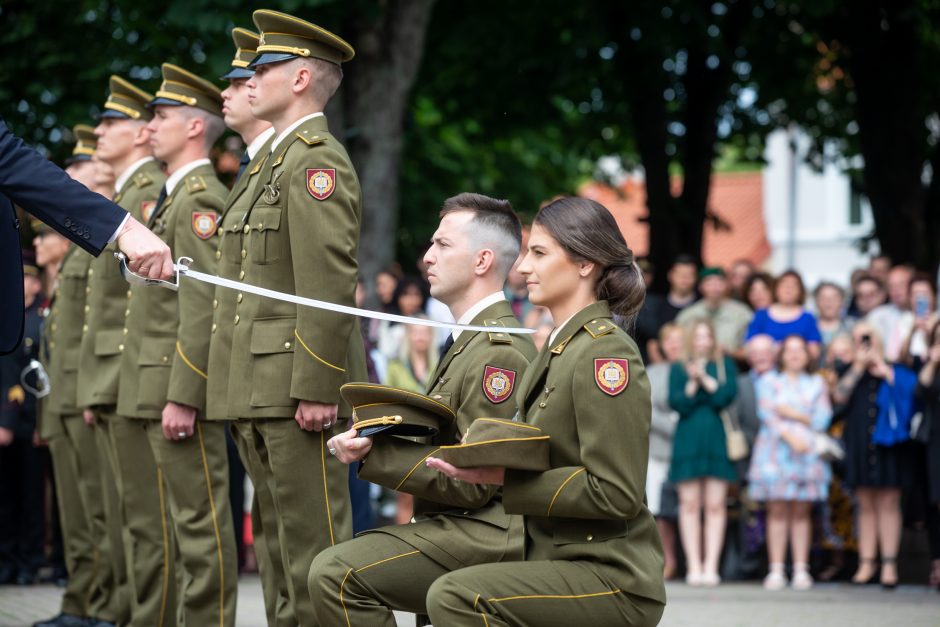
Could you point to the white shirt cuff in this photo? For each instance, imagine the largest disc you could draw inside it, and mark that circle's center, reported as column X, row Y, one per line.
column 120, row 226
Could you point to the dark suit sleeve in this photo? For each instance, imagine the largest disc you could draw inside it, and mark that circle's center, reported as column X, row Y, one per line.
column 44, row 190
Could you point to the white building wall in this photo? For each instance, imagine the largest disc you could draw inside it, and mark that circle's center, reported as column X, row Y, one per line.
column 820, row 239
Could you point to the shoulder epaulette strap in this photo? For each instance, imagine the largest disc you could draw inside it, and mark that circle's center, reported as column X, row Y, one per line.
column 142, row 179
column 311, row 138
column 195, row 184
column 497, row 337
column 599, row 327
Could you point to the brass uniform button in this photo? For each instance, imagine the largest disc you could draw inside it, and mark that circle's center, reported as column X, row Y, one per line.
column 165, row 359
column 218, row 254
column 241, row 274
column 239, row 298
column 125, row 330
column 244, row 253
column 121, row 347
column 215, row 303
column 214, row 327
column 246, row 229
column 91, row 271
column 88, row 290
column 128, row 293
column 543, row 405
column 590, row 537
column 84, row 328
column 127, row 312
column 87, row 308
column 287, row 345
column 237, row 318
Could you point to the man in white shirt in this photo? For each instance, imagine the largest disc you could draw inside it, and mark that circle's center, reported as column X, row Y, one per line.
column 886, row 318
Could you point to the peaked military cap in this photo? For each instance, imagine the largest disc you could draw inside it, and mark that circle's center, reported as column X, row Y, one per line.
column 285, row 37
column 496, row 442
column 384, row 409
column 85, row 143
column 126, row 101
column 182, row 87
column 246, row 43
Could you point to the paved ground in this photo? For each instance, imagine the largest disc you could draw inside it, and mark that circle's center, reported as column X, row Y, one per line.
column 731, row 605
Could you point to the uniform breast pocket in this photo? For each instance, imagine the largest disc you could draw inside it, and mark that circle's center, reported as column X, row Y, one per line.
column 156, row 357
column 265, row 241
column 272, row 354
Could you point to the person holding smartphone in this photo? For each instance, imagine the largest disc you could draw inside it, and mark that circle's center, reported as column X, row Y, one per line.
column 914, row 326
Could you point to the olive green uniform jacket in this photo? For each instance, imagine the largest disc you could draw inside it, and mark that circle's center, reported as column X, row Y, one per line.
column 301, row 237
column 590, row 506
column 230, row 256
column 63, row 337
column 398, row 463
column 107, row 293
column 166, row 352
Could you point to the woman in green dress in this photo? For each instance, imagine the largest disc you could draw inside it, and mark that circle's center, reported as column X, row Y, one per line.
column 593, row 553
column 700, row 387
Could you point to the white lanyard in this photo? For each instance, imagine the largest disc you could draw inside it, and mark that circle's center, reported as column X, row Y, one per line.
column 182, row 269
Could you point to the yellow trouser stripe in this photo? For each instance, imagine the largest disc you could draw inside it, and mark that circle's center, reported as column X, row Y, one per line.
column 556, row 596
column 166, row 548
column 179, row 350
column 486, row 623
column 560, row 488
column 350, row 571
column 326, row 493
column 411, row 472
column 314, row 355
column 215, row 527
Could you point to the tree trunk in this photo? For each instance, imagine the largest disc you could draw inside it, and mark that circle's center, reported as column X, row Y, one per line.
column 884, row 63
column 375, row 94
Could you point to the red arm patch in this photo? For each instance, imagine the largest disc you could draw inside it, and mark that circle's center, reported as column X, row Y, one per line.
column 205, row 223
column 611, row 375
column 498, row 383
column 321, row 182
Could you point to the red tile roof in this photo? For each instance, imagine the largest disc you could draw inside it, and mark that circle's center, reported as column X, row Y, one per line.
column 736, row 198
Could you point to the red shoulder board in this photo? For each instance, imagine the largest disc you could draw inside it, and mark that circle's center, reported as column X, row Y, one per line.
column 498, row 383
column 611, row 375
column 204, row 223
column 321, row 182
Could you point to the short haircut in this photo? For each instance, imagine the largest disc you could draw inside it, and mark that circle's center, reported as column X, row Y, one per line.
column 828, row 284
column 869, row 278
column 214, row 124
column 684, row 260
column 326, row 77
column 495, row 226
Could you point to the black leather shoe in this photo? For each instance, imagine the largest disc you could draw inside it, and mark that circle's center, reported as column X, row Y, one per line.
column 63, row 620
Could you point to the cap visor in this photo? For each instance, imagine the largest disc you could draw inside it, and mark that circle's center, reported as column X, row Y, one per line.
column 156, row 102
column 237, row 72
column 271, row 57
column 111, row 113
column 76, row 158
column 410, row 431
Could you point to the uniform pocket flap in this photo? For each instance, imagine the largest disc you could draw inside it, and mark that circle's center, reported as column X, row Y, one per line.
column 273, row 336
column 109, row 342
column 578, row 531
column 266, row 219
column 157, row 351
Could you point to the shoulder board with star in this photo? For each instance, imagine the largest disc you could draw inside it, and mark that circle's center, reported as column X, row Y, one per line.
column 495, row 336
column 142, row 179
column 195, row 184
column 600, row 327
column 311, row 138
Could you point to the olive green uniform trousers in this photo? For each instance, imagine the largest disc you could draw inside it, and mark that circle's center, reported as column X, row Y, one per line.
column 149, row 543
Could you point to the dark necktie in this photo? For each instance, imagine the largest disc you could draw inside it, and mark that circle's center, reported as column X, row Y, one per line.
column 242, row 165
column 156, row 208
column 446, row 346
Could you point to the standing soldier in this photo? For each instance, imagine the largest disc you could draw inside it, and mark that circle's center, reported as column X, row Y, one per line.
column 163, row 365
column 75, row 460
column 257, row 135
column 123, row 144
column 391, row 568
column 300, row 236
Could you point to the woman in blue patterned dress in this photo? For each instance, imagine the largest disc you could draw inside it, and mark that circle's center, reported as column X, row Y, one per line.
column 786, row 473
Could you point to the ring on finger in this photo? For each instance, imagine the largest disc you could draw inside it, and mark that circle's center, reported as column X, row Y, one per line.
column 181, row 435
column 326, row 425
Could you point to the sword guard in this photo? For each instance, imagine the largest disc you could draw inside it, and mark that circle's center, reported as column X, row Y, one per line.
column 132, row 277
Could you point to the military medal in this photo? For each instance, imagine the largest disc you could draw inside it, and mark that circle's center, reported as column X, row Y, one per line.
column 611, row 375
column 498, row 383
column 272, row 190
